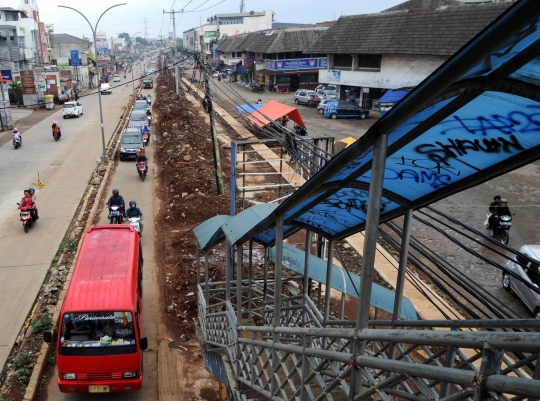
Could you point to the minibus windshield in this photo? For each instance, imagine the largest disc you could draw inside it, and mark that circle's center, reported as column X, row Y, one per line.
column 94, row 330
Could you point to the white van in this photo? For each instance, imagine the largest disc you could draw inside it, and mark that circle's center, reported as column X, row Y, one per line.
column 105, row 89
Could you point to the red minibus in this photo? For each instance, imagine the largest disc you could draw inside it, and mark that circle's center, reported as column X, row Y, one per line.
column 99, row 342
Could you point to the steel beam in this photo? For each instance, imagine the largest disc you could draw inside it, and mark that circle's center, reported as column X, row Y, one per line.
column 328, row 285
column 250, row 266
column 239, row 269
column 306, row 274
column 370, row 249
column 491, row 364
column 228, row 275
column 197, row 256
column 403, row 257
column 277, row 303
column 206, row 279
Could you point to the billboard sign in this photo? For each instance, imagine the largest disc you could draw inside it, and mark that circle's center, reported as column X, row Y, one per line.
column 101, row 42
column 210, row 34
column 62, row 62
column 74, row 58
column 299, row 64
column 7, row 75
column 333, row 75
column 248, row 61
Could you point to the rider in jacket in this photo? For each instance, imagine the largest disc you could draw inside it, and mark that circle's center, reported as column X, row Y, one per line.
column 141, row 157
column 56, row 128
column 134, row 211
column 117, row 200
column 501, row 209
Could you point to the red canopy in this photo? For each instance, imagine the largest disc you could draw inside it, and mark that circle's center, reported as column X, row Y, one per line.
column 275, row 111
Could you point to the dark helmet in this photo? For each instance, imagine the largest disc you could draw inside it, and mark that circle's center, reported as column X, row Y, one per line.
column 497, row 197
column 132, row 204
column 31, row 190
column 115, row 192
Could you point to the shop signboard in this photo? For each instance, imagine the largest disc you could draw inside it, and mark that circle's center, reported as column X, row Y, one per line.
column 210, row 34
column 248, row 61
column 7, row 75
column 27, row 82
column 297, row 64
column 333, row 75
column 103, row 60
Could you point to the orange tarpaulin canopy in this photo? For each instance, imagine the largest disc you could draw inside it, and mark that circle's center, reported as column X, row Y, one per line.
column 275, row 111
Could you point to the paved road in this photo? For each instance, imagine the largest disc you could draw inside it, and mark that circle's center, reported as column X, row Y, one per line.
column 65, row 168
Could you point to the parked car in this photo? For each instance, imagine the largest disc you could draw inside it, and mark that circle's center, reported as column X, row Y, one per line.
column 342, row 109
column 130, row 142
column 309, row 97
column 322, row 105
column 140, row 105
column 331, row 88
column 116, row 78
column 327, row 94
column 72, row 109
column 62, row 98
column 529, row 273
column 105, row 89
column 137, row 119
column 148, row 83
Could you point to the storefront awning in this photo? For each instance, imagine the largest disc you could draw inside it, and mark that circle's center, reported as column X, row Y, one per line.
column 275, row 110
column 393, row 96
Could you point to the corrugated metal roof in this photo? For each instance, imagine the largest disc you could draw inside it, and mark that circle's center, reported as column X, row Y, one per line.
column 209, row 232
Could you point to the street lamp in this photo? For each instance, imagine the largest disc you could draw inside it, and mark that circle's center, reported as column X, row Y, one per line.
column 104, row 157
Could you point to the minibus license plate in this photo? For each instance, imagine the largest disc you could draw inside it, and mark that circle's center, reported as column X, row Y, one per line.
column 99, row 389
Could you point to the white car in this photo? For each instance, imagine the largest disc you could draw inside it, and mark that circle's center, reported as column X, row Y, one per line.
column 105, row 89
column 116, row 78
column 72, row 109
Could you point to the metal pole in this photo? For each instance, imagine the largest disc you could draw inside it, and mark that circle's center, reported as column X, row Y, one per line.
column 306, row 276
column 491, row 364
column 174, row 59
column 232, row 209
column 239, row 268
column 328, row 286
column 228, row 275
column 206, row 280
column 265, row 274
column 104, row 157
column 306, row 342
column 198, row 265
column 370, row 247
column 403, row 255
column 250, row 265
column 277, row 302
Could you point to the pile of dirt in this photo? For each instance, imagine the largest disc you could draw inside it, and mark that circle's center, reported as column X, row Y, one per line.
column 188, row 196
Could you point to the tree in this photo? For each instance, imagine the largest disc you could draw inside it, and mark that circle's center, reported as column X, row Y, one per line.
column 124, row 35
column 142, row 41
column 15, row 92
column 179, row 46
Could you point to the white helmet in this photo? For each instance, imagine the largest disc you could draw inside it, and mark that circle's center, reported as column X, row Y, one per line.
column 55, row 122
column 15, row 129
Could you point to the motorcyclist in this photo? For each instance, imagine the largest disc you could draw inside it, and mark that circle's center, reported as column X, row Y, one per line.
column 134, row 211
column 27, row 201
column 117, row 200
column 493, row 205
column 146, row 130
column 17, row 135
column 56, row 128
column 141, row 157
column 501, row 209
column 32, row 193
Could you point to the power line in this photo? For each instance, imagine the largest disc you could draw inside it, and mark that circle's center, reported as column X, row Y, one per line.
column 204, row 9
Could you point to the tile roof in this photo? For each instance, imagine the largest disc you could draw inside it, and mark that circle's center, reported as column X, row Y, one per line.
column 279, row 41
column 440, row 31
column 414, row 4
column 66, row 38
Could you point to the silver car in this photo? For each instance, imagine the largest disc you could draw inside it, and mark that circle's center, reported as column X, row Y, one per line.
column 302, row 96
column 321, row 106
column 528, row 272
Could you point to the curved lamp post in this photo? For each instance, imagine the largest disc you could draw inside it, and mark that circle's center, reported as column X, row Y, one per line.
column 104, row 157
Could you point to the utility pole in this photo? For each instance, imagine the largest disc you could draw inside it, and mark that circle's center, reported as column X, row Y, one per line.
column 174, row 50
column 213, row 132
column 145, row 30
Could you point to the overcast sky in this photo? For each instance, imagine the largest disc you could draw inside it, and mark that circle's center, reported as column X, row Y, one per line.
column 130, row 17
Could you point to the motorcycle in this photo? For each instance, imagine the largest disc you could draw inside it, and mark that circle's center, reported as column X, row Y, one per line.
column 146, row 138
column 257, row 88
column 17, row 143
column 149, row 117
column 502, row 227
column 149, row 101
column 115, row 215
column 142, row 170
column 26, row 217
column 136, row 223
column 57, row 136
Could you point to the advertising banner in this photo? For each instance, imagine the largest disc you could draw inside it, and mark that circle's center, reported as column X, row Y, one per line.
column 334, row 75
column 62, row 62
column 248, row 61
column 74, row 58
column 297, row 64
column 101, row 42
column 7, row 74
column 43, row 42
column 210, row 34
column 27, row 82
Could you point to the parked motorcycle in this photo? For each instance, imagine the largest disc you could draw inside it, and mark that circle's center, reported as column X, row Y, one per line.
column 501, row 231
column 142, row 169
column 136, row 223
column 257, row 88
column 115, row 215
column 26, row 217
column 17, row 143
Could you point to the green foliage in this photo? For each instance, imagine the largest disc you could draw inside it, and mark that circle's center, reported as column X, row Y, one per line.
column 68, row 244
column 142, row 41
column 179, row 46
column 41, row 324
column 15, row 93
column 21, row 366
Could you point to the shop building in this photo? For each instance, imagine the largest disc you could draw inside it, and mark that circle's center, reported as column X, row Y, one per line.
column 369, row 54
column 278, row 55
